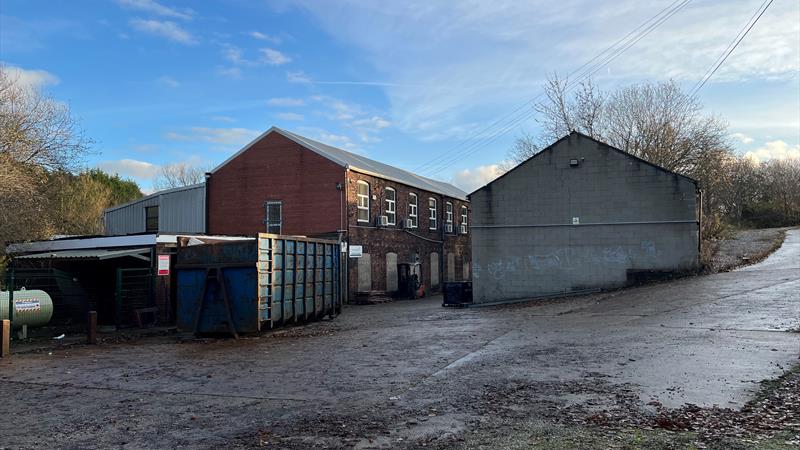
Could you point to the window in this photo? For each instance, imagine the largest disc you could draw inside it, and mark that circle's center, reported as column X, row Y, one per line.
column 448, row 214
column 151, row 219
column 363, row 201
column 463, row 220
column 432, row 213
column 391, row 205
column 412, row 210
column 272, row 218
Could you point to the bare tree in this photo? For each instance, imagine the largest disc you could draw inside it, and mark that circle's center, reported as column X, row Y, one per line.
column 524, row 147
column 37, row 135
column 35, row 129
column 782, row 179
column 178, row 175
column 656, row 122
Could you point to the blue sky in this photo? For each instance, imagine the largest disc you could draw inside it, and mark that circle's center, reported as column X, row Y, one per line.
column 162, row 81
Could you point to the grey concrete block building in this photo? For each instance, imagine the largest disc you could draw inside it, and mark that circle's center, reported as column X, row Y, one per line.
column 581, row 215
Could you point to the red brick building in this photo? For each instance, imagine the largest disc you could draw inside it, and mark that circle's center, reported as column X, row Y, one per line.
column 286, row 183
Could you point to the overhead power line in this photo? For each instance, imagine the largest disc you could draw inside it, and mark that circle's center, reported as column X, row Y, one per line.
column 511, row 120
column 731, row 47
column 533, row 100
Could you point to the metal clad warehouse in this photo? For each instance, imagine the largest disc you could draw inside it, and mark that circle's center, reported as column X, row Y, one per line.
column 581, row 215
column 178, row 210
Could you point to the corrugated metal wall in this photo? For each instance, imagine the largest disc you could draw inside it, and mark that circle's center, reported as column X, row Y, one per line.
column 180, row 211
column 183, row 211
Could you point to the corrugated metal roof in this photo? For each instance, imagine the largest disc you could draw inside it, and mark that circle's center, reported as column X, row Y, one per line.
column 361, row 164
column 93, row 254
column 156, row 194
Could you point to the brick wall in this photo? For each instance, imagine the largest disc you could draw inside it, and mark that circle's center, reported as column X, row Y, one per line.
column 276, row 168
column 421, row 241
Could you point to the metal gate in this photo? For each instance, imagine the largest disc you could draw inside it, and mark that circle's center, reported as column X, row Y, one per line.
column 134, row 290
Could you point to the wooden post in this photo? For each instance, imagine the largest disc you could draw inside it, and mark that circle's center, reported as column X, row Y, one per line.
column 5, row 338
column 91, row 332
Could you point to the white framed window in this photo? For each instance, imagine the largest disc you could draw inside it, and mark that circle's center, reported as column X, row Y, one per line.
column 432, row 213
column 412, row 210
column 273, row 210
column 391, row 205
column 448, row 213
column 363, row 201
column 463, row 220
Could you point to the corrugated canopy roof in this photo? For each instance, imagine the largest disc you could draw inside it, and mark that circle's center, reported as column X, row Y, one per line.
column 361, row 164
column 91, row 254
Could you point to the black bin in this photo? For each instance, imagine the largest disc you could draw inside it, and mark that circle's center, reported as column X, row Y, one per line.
column 457, row 293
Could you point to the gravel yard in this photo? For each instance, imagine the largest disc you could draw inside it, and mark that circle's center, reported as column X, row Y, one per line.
column 677, row 364
column 745, row 247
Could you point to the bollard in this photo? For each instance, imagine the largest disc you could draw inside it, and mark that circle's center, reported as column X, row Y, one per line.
column 91, row 334
column 5, row 338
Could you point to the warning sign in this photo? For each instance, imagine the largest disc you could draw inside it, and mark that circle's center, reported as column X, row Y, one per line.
column 163, row 264
column 28, row 305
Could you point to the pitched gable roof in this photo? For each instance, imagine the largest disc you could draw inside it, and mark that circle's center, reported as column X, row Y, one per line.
column 361, row 164
column 611, row 147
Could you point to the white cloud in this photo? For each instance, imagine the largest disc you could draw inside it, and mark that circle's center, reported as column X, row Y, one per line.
column 743, row 138
column 233, row 54
column 774, row 150
column 223, row 119
column 289, row 116
column 230, row 72
column 480, row 60
column 373, row 122
column 472, row 179
column 264, row 37
column 129, row 168
column 274, row 57
column 286, row 101
column 151, row 6
column 165, row 29
column 31, row 78
column 297, row 77
column 168, row 81
column 337, row 140
column 227, row 136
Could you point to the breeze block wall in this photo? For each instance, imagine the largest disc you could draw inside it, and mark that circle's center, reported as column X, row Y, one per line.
column 548, row 227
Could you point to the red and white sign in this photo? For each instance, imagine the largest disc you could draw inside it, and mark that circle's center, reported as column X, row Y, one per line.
column 163, row 264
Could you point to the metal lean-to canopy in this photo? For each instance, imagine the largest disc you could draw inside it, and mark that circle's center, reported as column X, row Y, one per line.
column 92, row 254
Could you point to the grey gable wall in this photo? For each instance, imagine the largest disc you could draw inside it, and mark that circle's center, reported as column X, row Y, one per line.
column 631, row 215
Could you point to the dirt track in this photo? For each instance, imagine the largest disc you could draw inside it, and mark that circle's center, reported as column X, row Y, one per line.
column 409, row 374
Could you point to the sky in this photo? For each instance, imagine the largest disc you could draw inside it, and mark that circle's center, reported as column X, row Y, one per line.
column 409, row 83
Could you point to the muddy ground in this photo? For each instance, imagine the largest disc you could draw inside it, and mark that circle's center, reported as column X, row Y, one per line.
column 618, row 369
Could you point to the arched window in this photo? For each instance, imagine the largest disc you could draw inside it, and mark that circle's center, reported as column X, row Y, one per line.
column 432, row 213
column 412, row 210
column 448, row 217
column 463, row 220
column 363, row 201
column 391, row 205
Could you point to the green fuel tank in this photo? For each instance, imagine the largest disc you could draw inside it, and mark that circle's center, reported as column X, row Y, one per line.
column 33, row 308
